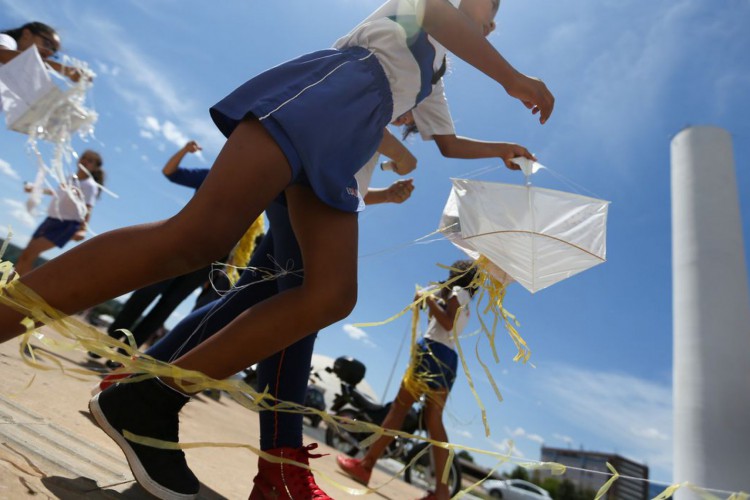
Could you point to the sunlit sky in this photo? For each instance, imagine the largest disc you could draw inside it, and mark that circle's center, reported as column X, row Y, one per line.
column 627, row 74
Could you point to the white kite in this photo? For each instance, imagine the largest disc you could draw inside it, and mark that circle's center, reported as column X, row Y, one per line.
column 35, row 105
column 537, row 236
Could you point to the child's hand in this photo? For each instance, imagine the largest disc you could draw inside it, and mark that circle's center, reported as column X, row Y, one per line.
column 400, row 191
column 74, row 74
column 533, row 93
column 79, row 235
column 507, row 151
column 192, row 147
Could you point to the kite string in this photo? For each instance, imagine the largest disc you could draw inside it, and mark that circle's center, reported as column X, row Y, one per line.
column 88, row 338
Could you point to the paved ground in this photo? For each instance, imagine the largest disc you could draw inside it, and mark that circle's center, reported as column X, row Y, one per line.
column 49, row 447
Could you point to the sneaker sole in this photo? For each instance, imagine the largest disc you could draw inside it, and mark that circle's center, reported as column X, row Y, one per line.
column 136, row 468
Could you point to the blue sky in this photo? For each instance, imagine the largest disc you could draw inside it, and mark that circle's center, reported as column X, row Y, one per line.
column 627, row 74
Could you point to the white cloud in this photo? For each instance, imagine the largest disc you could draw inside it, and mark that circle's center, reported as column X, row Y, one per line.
column 7, row 170
column 507, row 447
column 17, row 209
column 634, row 415
column 521, row 432
column 463, row 433
column 565, row 439
column 358, row 334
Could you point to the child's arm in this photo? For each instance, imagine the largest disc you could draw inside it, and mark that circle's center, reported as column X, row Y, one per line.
column 452, row 146
column 460, row 36
column 28, row 187
column 396, row 151
column 7, row 55
column 398, row 192
column 81, row 233
column 445, row 316
column 174, row 162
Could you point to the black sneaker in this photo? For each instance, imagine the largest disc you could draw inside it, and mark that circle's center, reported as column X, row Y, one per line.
column 148, row 409
column 112, row 365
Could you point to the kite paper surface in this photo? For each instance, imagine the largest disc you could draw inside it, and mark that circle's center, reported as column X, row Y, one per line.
column 537, row 236
column 35, row 105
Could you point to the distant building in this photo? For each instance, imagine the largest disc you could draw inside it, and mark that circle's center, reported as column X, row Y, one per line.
column 622, row 489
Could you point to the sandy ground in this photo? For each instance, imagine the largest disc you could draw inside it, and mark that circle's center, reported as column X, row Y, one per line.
column 49, row 448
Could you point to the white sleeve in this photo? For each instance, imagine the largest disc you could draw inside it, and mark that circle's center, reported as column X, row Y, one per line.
column 89, row 190
column 461, row 294
column 432, row 115
column 8, row 42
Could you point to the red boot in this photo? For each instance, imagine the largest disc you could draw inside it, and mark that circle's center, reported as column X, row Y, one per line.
column 285, row 481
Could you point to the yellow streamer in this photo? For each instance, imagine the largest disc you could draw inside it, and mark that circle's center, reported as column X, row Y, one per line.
column 606, row 486
column 242, row 251
column 76, row 334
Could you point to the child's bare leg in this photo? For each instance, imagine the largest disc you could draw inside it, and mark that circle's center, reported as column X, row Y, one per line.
column 328, row 242
column 433, row 414
column 249, row 172
column 29, row 254
column 394, row 420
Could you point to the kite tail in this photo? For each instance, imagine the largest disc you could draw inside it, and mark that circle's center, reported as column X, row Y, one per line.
column 242, row 251
column 495, row 288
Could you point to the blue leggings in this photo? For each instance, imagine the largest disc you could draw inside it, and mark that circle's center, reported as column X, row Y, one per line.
column 286, row 373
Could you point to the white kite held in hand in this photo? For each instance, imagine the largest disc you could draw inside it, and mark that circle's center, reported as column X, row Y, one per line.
column 537, row 236
column 36, row 106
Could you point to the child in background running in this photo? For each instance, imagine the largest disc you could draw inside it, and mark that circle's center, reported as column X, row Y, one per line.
column 278, row 142
column 64, row 220
column 432, row 369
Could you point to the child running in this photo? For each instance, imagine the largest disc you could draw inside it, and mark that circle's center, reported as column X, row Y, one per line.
column 430, row 375
column 171, row 292
column 285, row 374
column 302, row 129
column 67, row 219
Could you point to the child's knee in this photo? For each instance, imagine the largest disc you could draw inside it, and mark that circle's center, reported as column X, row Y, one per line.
column 338, row 300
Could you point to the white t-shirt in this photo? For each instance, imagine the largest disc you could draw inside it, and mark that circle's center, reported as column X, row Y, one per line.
column 435, row 330
column 364, row 175
column 64, row 207
column 8, row 42
column 389, row 41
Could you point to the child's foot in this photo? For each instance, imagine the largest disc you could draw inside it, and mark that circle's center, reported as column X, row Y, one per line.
column 354, row 468
column 287, row 481
column 147, row 409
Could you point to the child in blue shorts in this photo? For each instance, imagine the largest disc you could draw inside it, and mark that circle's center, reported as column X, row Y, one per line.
column 68, row 212
column 302, row 129
column 431, row 374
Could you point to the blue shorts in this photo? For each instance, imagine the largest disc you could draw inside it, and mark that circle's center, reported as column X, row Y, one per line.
column 57, row 231
column 326, row 111
column 437, row 363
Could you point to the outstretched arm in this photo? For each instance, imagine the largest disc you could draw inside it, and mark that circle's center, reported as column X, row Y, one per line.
column 394, row 149
column 459, row 35
column 452, row 146
column 80, row 235
column 398, row 192
column 174, row 162
column 7, row 55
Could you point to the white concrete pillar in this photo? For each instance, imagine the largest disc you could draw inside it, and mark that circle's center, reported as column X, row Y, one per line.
column 711, row 310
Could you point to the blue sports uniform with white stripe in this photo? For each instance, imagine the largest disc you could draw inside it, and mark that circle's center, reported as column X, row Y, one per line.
column 327, row 111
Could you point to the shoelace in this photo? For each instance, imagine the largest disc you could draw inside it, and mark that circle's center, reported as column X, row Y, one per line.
column 305, row 478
